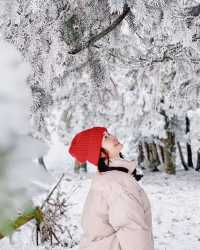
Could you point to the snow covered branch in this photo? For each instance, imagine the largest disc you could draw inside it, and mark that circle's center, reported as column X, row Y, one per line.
column 102, row 33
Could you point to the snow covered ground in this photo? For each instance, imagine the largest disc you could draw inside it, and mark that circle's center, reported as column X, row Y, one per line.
column 175, row 207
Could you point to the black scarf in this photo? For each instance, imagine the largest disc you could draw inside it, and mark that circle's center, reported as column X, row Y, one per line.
column 104, row 168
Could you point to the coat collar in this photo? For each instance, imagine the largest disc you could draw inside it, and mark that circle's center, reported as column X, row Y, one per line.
column 120, row 162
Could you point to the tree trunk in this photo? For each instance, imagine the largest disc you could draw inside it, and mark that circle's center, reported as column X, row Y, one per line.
column 141, row 156
column 146, row 154
column 156, row 153
column 78, row 166
column 181, row 156
column 170, row 153
column 149, row 155
column 153, row 157
column 189, row 155
column 147, row 150
column 162, row 153
column 198, row 161
column 156, row 160
column 188, row 145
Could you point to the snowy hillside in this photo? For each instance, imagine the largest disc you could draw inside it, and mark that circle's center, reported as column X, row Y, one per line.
column 175, row 208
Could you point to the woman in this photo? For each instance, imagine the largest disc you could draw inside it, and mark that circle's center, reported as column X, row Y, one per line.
column 117, row 213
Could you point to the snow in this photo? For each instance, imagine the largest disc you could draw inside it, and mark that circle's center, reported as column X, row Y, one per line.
column 150, row 57
column 175, row 207
column 174, row 201
column 15, row 96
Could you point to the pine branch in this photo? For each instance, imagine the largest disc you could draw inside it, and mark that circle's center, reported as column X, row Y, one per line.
column 97, row 37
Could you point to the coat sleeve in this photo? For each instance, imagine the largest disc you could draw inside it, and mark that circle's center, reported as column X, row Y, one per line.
column 127, row 216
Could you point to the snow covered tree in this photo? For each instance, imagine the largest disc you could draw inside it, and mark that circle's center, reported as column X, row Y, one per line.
column 20, row 177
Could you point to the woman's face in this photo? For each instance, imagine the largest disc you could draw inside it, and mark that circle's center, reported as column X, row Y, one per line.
column 111, row 144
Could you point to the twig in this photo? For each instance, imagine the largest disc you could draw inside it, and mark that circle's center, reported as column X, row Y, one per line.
column 37, row 233
column 50, row 194
column 54, row 235
column 115, row 86
column 68, row 231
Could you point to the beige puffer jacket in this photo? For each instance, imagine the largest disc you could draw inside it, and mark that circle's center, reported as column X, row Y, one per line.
column 117, row 213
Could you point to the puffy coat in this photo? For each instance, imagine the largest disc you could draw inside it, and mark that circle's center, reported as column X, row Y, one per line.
column 117, row 213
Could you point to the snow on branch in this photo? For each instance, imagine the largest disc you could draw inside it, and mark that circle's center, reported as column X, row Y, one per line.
column 97, row 37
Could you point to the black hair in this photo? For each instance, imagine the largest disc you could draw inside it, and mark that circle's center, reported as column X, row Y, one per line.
column 103, row 167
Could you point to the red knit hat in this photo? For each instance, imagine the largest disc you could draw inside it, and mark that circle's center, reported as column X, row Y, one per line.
column 85, row 145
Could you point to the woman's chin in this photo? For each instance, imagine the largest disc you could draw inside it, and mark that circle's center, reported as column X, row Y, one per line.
column 120, row 146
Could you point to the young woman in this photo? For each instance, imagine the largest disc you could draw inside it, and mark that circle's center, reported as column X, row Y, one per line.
column 117, row 212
